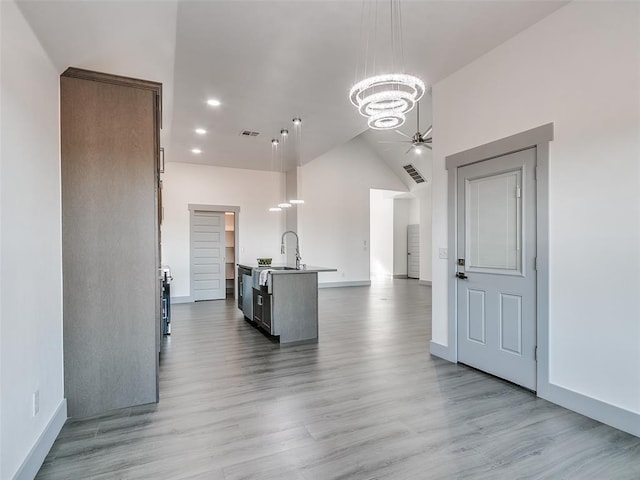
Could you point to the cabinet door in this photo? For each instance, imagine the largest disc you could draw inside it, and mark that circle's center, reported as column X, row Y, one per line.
column 112, row 283
column 258, row 301
column 266, row 313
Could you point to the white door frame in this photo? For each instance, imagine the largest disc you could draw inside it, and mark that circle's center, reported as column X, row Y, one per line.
column 539, row 138
column 218, row 208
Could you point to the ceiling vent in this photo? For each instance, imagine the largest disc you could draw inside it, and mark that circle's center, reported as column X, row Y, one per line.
column 413, row 173
column 248, row 133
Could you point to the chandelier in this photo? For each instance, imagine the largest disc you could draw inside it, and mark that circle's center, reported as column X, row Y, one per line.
column 385, row 98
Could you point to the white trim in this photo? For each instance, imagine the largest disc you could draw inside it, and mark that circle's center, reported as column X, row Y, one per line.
column 40, row 449
column 425, row 282
column 442, row 351
column 617, row 417
column 185, row 299
column 213, row 208
column 401, row 276
column 357, row 283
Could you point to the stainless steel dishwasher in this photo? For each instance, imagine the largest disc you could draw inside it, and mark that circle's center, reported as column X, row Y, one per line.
column 247, row 297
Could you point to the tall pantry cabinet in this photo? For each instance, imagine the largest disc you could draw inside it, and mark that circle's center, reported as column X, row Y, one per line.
column 110, row 240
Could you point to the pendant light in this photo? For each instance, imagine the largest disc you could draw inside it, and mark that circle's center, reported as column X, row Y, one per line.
column 297, row 130
column 274, row 153
column 285, row 203
column 384, row 98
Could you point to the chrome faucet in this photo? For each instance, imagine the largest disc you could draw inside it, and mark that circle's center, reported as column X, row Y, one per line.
column 298, row 257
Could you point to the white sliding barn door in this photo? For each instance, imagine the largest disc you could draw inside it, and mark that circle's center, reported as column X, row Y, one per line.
column 207, row 255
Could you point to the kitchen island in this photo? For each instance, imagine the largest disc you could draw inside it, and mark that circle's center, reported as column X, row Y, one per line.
column 287, row 306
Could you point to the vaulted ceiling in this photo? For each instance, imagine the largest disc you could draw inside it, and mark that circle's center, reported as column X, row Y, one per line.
column 266, row 61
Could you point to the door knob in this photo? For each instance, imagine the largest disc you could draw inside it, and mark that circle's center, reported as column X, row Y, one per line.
column 461, row 275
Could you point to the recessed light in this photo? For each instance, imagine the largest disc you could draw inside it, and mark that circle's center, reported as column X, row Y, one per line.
column 275, row 209
column 214, row 102
column 197, row 151
column 284, row 132
column 200, row 131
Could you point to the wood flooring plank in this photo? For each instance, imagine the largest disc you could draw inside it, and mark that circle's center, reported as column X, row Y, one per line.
column 366, row 402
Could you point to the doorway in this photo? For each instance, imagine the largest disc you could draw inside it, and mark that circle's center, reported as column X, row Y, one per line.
column 490, row 299
column 214, row 240
column 390, row 214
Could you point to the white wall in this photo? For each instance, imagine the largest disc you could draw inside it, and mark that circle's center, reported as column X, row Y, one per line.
column 30, row 252
column 424, row 213
column 401, row 215
column 253, row 191
column 414, row 211
column 381, row 218
column 580, row 69
column 334, row 221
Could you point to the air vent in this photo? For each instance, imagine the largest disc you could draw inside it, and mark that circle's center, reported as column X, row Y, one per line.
column 248, row 133
column 413, row 173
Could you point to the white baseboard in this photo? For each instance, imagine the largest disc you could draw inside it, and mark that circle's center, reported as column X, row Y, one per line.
column 358, row 283
column 186, row 299
column 401, row 276
column 617, row 417
column 441, row 351
column 424, row 282
column 38, row 453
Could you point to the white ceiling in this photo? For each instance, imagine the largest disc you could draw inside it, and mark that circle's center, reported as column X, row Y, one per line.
column 267, row 61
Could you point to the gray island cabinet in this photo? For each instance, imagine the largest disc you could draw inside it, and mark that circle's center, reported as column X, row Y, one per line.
column 287, row 307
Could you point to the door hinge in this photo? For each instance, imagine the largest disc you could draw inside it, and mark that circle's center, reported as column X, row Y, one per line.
column 535, row 353
column 518, row 191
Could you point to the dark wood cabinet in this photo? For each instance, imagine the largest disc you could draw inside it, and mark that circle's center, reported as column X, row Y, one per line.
column 110, row 240
column 262, row 308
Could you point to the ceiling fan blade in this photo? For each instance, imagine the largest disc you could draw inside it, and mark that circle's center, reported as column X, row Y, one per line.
column 410, row 148
column 403, row 134
column 428, row 131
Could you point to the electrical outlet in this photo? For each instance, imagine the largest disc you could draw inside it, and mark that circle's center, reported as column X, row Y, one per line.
column 36, row 402
column 443, row 253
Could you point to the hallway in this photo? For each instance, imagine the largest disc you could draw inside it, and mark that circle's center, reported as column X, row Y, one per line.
column 366, row 402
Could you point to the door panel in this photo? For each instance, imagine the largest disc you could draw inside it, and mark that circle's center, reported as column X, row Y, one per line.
column 496, row 251
column 413, row 251
column 207, row 255
column 511, row 323
column 493, row 223
column 476, row 316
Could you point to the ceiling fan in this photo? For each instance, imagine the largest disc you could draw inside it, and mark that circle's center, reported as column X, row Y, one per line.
column 419, row 140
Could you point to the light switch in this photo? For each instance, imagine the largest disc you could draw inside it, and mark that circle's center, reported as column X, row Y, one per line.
column 443, row 253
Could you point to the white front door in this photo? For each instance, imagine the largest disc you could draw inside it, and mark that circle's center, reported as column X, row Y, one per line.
column 496, row 254
column 207, row 255
column 413, row 251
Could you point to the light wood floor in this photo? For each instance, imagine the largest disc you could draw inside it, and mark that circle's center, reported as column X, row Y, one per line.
column 366, row 402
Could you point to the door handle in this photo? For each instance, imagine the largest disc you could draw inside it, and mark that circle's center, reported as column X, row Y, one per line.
column 461, row 276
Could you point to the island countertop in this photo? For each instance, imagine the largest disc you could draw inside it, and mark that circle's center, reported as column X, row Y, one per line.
column 284, row 269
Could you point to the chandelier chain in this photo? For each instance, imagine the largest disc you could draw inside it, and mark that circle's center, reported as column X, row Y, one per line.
column 384, row 98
